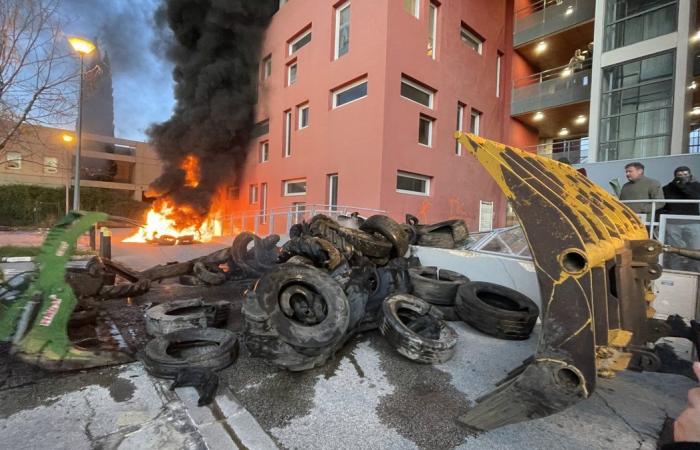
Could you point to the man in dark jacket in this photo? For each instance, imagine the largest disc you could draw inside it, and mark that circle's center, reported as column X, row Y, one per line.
column 682, row 232
column 640, row 187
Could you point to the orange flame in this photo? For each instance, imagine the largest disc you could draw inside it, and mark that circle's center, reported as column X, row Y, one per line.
column 191, row 167
column 167, row 219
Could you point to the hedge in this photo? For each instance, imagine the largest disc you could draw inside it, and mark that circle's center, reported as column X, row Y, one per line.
column 24, row 205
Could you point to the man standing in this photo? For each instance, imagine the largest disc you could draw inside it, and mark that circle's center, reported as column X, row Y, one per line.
column 640, row 187
column 682, row 232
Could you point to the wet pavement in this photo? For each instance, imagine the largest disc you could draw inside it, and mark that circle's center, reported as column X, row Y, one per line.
column 367, row 396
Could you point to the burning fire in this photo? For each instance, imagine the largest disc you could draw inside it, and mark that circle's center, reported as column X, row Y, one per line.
column 177, row 221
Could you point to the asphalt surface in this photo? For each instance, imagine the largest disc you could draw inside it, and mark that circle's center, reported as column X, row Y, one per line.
column 367, row 396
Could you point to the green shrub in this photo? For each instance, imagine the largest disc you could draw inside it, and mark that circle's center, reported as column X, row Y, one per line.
column 26, row 205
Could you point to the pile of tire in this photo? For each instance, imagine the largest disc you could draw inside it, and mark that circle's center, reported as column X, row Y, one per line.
column 329, row 283
column 448, row 234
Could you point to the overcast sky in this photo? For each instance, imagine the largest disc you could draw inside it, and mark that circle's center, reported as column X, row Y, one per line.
column 142, row 78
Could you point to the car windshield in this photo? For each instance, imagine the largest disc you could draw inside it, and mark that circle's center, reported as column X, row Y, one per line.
column 508, row 241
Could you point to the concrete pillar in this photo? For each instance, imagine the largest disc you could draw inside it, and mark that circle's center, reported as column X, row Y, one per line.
column 596, row 81
column 683, row 98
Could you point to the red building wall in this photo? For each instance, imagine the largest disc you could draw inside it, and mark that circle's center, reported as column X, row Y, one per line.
column 367, row 141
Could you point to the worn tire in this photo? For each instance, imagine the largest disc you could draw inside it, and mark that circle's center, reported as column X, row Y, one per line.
column 176, row 315
column 496, row 310
column 436, row 286
column 391, row 230
column 305, row 305
column 437, row 239
column 208, row 276
column 319, row 251
column 447, row 313
column 408, row 342
column 161, row 363
column 190, row 280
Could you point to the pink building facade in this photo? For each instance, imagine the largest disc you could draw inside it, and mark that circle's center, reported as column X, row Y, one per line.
column 359, row 101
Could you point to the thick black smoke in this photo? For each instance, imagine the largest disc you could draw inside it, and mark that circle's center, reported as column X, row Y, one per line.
column 215, row 50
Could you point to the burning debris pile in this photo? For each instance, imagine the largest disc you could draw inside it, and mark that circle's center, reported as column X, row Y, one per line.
column 215, row 48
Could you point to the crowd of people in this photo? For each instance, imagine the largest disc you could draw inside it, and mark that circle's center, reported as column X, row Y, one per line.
column 680, row 232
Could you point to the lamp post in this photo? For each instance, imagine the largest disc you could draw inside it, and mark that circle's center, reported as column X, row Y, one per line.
column 82, row 47
column 67, row 138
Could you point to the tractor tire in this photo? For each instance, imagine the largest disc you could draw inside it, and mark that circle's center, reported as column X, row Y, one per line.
column 391, row 230
column 305, row 305
column 319, row 251
column 175, row 316
column 209, row 348
column 496, row 310
column 414, row 332
column 436, row 286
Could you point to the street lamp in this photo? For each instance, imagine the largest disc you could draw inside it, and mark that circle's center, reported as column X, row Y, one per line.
column 82, row 47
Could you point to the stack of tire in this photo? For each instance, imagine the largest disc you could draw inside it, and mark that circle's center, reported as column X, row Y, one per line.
column 448, row 234
column 328, row 285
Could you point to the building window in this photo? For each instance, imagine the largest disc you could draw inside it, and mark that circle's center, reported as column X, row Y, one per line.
column 260, row 129
column 333, row 191
column 417, row 93
column 295, row 187
column 234, row 192
column 14, row 160
column 460, row 126
column 350, row 93
column 267, row 67
column 631, row 21
column 253, row 194
column 264, row 151
column 485, row 216
column 342, row 30
column 499, row 59
column 287, row 134
column 412, row 7
column 263, row 203
column 637, row 108
column 50, row 165
column 472, row 39
column 291, row 74
column 299, row 42
column 412, row 183
column 475, row 124
column 425, row 131
column 303, row 116
column 432, row 29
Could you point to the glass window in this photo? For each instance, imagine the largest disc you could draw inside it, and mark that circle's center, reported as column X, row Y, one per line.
column 299, row 42
column 475, row 124
column 417, row 93
column 292, row 74
column 295, row 187
column 499, row 57
column 460, row 125
column 303, row 115
column 432, row 29
column 253, row 194
column 411, row 183
column 342, row 30
column 637, row 108
column 470, row 38
column 287, row 133
column 264, row 151
column 631, row 21
column 267, row 67
column 485, row 216
column 425, row 131
column 412, row 7
column 261, row 128
column 350, row 93
column 50, row 165
column 14, row 160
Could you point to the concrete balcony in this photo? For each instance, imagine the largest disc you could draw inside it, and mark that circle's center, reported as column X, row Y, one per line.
column 546, row 17
column 551, row 88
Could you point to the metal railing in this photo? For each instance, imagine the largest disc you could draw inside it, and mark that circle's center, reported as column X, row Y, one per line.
column 557, row 73
column 550, row 15
column 554, row 87
column 575, row 150
column 279, row 220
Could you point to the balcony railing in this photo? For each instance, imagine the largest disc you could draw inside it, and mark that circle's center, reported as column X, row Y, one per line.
column 570, row 83
column 545, row 17
column 574, row 150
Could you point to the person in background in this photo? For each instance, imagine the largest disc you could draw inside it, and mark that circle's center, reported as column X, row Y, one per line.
column 640, row 187
column 680, row 232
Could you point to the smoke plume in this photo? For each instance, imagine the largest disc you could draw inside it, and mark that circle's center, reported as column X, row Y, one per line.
column 215, row 49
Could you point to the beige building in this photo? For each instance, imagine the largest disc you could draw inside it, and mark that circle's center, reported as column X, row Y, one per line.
column 44, row 156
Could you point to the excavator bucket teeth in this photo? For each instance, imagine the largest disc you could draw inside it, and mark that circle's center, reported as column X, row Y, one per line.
column 593, row 262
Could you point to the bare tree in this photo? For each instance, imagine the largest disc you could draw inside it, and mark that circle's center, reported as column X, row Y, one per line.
column 38, row 74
